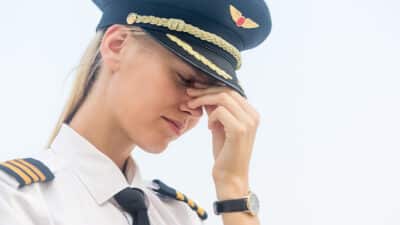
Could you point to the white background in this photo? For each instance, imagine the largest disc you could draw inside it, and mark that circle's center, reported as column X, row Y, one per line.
column 326, row 84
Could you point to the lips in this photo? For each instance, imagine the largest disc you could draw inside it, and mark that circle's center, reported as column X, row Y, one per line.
column 178, row 125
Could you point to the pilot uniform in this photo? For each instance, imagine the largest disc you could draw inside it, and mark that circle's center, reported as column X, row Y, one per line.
column 73, row 183
column 79, row 185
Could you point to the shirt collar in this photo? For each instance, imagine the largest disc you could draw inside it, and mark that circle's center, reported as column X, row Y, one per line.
column 93, row 167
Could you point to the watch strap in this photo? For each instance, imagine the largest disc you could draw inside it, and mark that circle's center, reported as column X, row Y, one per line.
column 231, row 205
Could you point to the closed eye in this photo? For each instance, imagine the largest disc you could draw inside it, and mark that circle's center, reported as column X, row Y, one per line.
column 185, row 82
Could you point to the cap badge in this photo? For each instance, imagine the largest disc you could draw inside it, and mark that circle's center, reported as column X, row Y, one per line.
column 240, row 20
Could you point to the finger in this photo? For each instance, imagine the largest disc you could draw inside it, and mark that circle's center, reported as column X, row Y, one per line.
column 228, row 102
column 202, row 90
column 200, row 85
column 232, row 125
column 234, row 131
column 223, row 99
column 210, row 108
column 240, row 99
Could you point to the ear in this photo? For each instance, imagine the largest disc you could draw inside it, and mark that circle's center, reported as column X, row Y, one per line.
column 111, row 46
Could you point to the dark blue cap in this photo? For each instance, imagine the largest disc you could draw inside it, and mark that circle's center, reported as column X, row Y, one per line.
column 208, row 34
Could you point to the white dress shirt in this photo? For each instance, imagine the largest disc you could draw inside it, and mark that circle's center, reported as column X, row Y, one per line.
column 82, row 191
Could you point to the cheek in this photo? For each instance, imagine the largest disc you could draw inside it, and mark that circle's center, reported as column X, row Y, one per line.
column 134, row 100
column 137, row 111
column 139, row 96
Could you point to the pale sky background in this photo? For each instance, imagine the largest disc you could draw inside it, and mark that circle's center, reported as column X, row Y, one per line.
column 326, row 84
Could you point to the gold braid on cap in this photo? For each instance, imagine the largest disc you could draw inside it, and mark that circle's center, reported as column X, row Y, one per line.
column 199, row 56
column 180, row 25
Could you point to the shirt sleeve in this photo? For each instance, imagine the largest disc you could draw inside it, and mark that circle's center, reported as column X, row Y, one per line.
column 20, row 206
column 8, row 214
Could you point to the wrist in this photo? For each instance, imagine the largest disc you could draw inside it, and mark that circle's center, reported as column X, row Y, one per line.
column 231, row 188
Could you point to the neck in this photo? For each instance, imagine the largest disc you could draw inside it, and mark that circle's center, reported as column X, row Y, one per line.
column 96, row 125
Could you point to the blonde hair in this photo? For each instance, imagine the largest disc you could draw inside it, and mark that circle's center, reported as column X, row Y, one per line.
column 86, row 75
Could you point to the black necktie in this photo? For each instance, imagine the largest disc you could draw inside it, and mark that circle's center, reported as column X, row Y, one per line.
column 132, row 201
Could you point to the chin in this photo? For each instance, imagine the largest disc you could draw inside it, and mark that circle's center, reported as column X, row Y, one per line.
column 154, row 148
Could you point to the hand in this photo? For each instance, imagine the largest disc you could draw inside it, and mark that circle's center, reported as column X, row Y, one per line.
column 233, row 123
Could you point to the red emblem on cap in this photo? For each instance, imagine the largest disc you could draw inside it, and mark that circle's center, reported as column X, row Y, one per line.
column 240, row 20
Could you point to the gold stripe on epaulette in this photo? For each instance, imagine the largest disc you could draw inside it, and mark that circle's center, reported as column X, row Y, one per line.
column 26, row 170
column 180, row 196
column 32, row 167
column 25, row 178
column 191, row 203
column 200, row 211
column 199, row 56
column 182, row 26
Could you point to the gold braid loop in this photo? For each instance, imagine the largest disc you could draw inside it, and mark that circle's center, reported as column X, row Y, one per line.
column 182, row 26
column 199, row 56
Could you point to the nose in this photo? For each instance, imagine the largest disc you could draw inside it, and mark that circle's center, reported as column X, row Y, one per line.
column 194, row 112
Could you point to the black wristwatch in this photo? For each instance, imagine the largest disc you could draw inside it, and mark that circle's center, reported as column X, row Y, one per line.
column 248, row 204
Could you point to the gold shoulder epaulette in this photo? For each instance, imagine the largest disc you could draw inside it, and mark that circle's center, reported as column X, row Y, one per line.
column 166, row 190
column 27, row 171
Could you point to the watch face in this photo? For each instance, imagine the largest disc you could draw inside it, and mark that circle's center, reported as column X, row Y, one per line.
column 254, row 204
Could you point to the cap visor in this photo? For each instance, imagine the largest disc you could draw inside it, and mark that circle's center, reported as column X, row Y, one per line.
column 197, row 48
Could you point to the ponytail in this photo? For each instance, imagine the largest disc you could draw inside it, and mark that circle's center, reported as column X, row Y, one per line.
column 85, row 76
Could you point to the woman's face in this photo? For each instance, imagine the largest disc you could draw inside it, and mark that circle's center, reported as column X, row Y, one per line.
column 148, row 91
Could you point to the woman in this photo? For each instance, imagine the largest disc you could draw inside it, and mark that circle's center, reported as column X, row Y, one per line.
column 144, row 81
